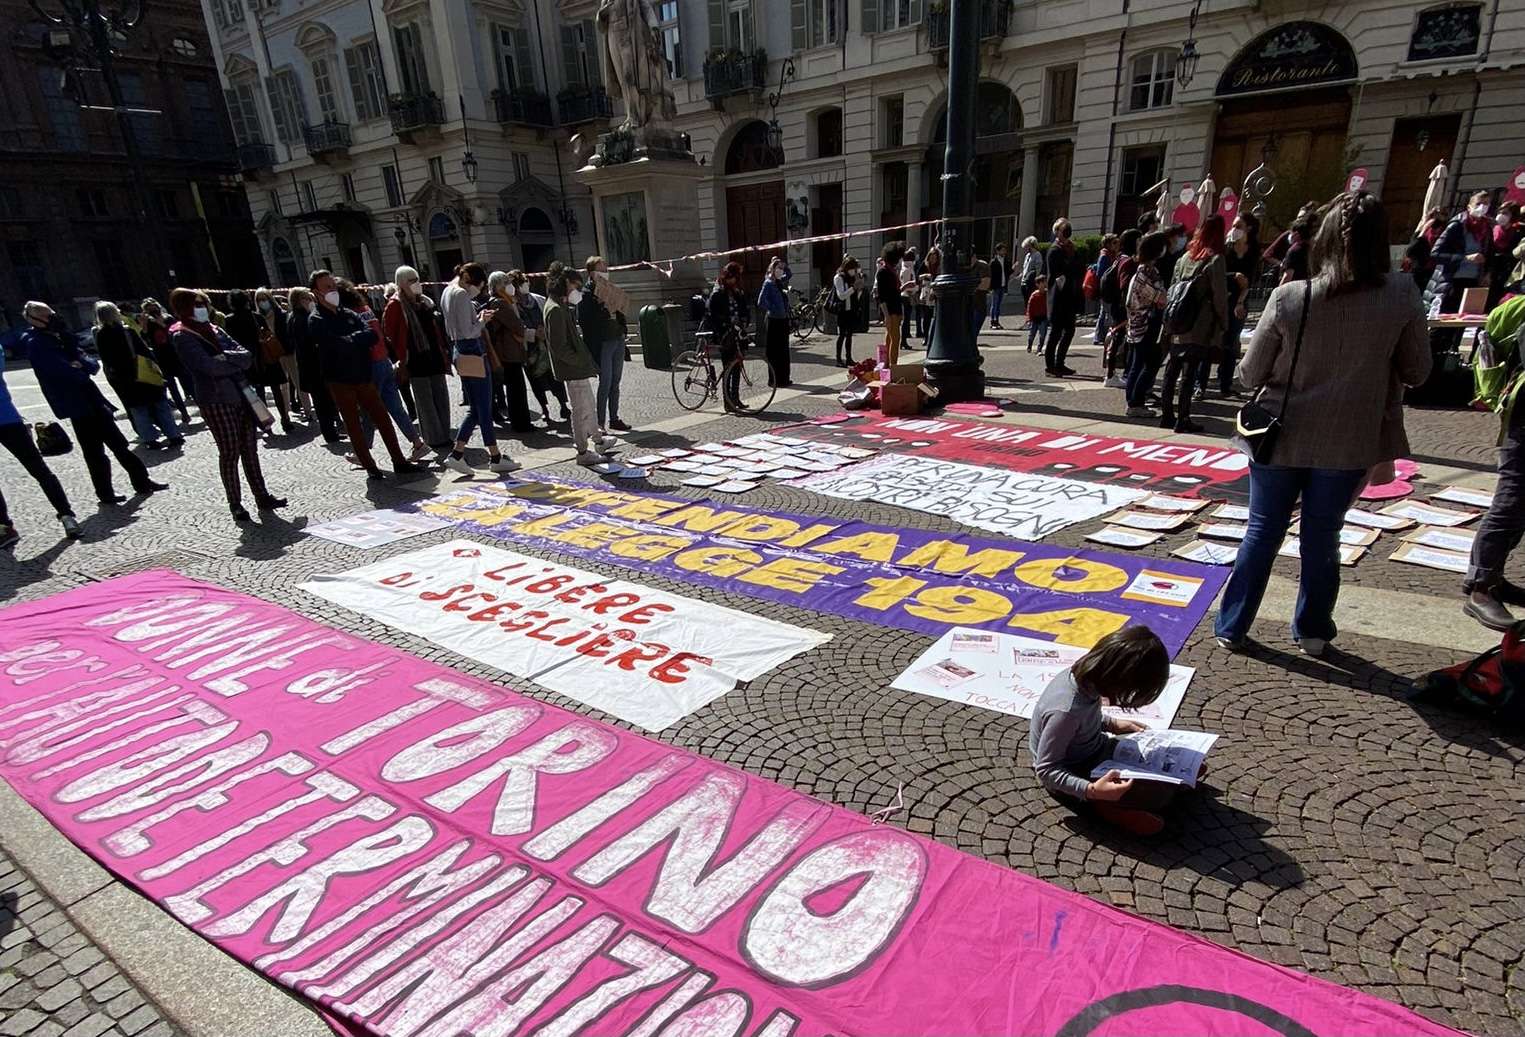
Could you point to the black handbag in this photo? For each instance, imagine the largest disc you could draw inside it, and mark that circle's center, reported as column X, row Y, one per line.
column 52, row 440
column 1256, row 429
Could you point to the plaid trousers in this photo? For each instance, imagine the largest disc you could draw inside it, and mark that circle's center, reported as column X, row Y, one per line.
column 233, row 431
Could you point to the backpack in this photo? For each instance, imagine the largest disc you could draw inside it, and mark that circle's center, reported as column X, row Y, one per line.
column 1491, row 685
column 1091, row 283
column 1112, row 285
column 1184, row 302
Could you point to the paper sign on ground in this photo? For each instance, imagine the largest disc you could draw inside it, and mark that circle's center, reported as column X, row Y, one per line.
column 1167, row 523
column 640, row 654
column 1119, row 537
column 1427, row 514
column 426, row 853
column 1375, row 520
column 1432, row 558
column 1464, row 495
column 1007, row 673
column 1016, row 504
column 375, row 528
column 1349, row 553
column 1459, row 540
column 1232, row 512
column 1208, row 554
column 1162, row 502
column 1355, row 536
column 1223, row 530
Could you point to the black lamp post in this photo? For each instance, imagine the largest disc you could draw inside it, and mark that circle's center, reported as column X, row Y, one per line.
column 468, row 160
column 1186, row 61
column 953, row 359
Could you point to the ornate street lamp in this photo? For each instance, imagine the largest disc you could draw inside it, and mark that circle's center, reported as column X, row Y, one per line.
column 1186, row 61
column 469, row 166
column 468, row 160
column 786, row 72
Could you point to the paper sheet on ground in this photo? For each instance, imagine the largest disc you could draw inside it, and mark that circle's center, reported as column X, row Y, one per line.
column 375, row 528
column 1458, row 540
column 1432, row 558
column 1007, row 673
column 1428, row 514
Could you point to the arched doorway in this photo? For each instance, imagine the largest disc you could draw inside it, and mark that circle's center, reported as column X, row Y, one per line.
column 537, row 239
column 998, row 169
column 287, row 273
column 444, row 244
column 1300, row 136
column 754, row 207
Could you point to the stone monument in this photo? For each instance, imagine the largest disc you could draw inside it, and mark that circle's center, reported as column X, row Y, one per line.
column 643, row 176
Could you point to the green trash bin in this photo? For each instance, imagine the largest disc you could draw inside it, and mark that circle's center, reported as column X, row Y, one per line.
column 656, row 346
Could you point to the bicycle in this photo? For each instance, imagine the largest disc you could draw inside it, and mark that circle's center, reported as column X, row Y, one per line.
column 824, row 317
column 695, row 380
column 802, row 315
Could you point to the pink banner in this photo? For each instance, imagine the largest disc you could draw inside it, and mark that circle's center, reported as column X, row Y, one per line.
column 428, row 854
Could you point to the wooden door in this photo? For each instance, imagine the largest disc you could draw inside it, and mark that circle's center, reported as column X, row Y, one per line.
column 1408, row 169
column 826, row 256
column 1308, row 131
column 755, row 216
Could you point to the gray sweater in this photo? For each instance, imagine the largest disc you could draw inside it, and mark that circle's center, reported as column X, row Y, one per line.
column 1066, row 737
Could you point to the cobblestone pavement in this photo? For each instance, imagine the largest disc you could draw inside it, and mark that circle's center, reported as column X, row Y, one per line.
column 1343, row 830
column 53, row 982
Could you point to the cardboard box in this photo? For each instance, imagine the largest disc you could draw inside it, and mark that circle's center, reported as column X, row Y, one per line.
column 1474, row 300
column 907, row 374
column 898, row 400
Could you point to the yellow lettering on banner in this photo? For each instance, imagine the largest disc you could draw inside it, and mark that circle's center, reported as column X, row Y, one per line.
column 1099, row 576
column 701, row 519
column 449, row 507
column 886, row 592
column 1079, row 627
column 535, row 490
column 594, row 534
column 718, row 561
column 806, row 535
column 790, row 574
column 949, row 556
column 544, row 527
column 594, row 495
column 763, row 528
column 643, row 509
column 959, row 605
column 871, row 547
column 648, row 547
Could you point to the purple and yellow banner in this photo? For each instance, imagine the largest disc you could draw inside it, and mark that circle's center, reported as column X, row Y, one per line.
column 907, row 578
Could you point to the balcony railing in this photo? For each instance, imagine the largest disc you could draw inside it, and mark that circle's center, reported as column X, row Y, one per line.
column 995, row 22
column 256, row 156
column 732, row 72
column 523, row 108
column 413, row 112
column 327, row 136
column 579, row 104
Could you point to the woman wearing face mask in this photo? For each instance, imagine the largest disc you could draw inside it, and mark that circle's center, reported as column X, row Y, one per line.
column 463, row 324
column 775, row 305
column 1242, row 262
column 726, row 319
column 505, row 334
column 156, row 335
column 132, row 372
column 309, row 364
column 1507, row 233
column 571, row 362
column 273, row 317
column 846, row 286
column 603, row 329
column 384, row 374
column 219, row 366
column 537, row 361
column 1462, row 254
column 1203, row 343
column 251, row 333
column 418, row 341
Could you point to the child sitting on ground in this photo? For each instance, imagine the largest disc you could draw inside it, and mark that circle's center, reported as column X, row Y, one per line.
column 1037, row 314
column 1070, row 735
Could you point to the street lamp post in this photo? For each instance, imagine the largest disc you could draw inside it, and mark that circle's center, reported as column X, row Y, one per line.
column 953, row 359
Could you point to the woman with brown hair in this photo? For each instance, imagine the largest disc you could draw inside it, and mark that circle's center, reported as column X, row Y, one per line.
column 1202, row 343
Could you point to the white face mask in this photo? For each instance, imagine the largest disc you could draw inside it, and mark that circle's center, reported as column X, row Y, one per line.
column 200, row 313
column 264, row 306
column 1236, row 234
column 574, row 296
column 1480, row 210
column 332, row 298
column 1502, row 219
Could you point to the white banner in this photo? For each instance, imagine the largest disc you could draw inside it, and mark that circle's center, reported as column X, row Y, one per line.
column 375, row 528
column 1007, row 673
column 642, row 655
column 1023, row 505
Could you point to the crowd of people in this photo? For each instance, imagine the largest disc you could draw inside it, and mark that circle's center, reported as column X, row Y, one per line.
column 322, row 356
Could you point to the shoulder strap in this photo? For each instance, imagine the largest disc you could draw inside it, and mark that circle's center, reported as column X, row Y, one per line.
column 1302, row 326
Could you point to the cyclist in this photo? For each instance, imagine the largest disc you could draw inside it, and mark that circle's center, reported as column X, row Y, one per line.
column 726, row 318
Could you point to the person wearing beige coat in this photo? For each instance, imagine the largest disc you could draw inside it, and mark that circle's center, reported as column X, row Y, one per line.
column 1364, row 337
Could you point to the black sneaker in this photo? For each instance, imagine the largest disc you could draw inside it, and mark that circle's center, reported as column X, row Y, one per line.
column 8, row 537
column 375, row 475
column 239, row 514
column 150, row 487
column 271, row 503
column 618, row 425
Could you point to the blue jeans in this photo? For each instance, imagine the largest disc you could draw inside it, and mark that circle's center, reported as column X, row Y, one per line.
column 145, row 417
column 611, row 369
column 997, row 297
column 391, row 397
column 478, row 399
column 1037, row 332
column 1274, row 491
column 1143, row 365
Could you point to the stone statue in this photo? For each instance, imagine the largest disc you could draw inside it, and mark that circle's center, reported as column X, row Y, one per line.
column 632, row 57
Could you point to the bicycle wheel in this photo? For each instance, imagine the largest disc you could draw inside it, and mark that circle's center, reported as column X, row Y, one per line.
column 803, row 321
column 824, row 320
column 755, row 389
column 693, row 380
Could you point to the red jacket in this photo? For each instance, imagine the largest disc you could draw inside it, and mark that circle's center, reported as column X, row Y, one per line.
column 1037, row 305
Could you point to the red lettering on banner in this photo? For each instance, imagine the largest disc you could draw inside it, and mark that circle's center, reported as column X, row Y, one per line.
column 442, row 595
column 603, row 606
column 676, row 669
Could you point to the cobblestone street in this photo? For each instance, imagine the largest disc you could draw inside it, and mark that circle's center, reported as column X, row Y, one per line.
column 1343, row 830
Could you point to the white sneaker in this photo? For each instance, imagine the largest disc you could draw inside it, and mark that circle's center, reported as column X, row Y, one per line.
column 589, row 458
column 1313, row 646
column 1115, row 382
column 458, row 464
column 505, row 464
column 606, row 443
column 1141, row 412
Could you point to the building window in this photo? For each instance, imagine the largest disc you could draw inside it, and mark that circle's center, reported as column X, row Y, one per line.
column 1153, row 80
column 206, row 127
column 63, row 112
column 579, row 54
column 738, row 25
column 393, row 186
column 323, row 86
column 1142, row 168
column 92, row 202
column 285, row 95
column 309, row 197
column 822, row 23
column 113, row 268
column 437, row 169
column 895, row 14
column 166, row 205
column 366, row 84
column 31, row 277
column 274, row 198
column 521, row 167
column 184, row 47
column 1446, row 32
column 412, row 69
column 672, row 40
column 148, row 129
column 516, row 65
column 1060, row 103
column 892, row 122
column 244, row 114
column 828, row 133
column 347, row 185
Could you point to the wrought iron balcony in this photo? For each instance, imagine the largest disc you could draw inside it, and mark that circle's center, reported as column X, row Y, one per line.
column 523, row 108
column 256, row 156
column 732, row 72
column 580, row 104
column 326, row 137
column 414, row 112
column 995, row 22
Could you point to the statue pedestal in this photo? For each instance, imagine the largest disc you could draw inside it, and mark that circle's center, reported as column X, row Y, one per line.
column 648, row 208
